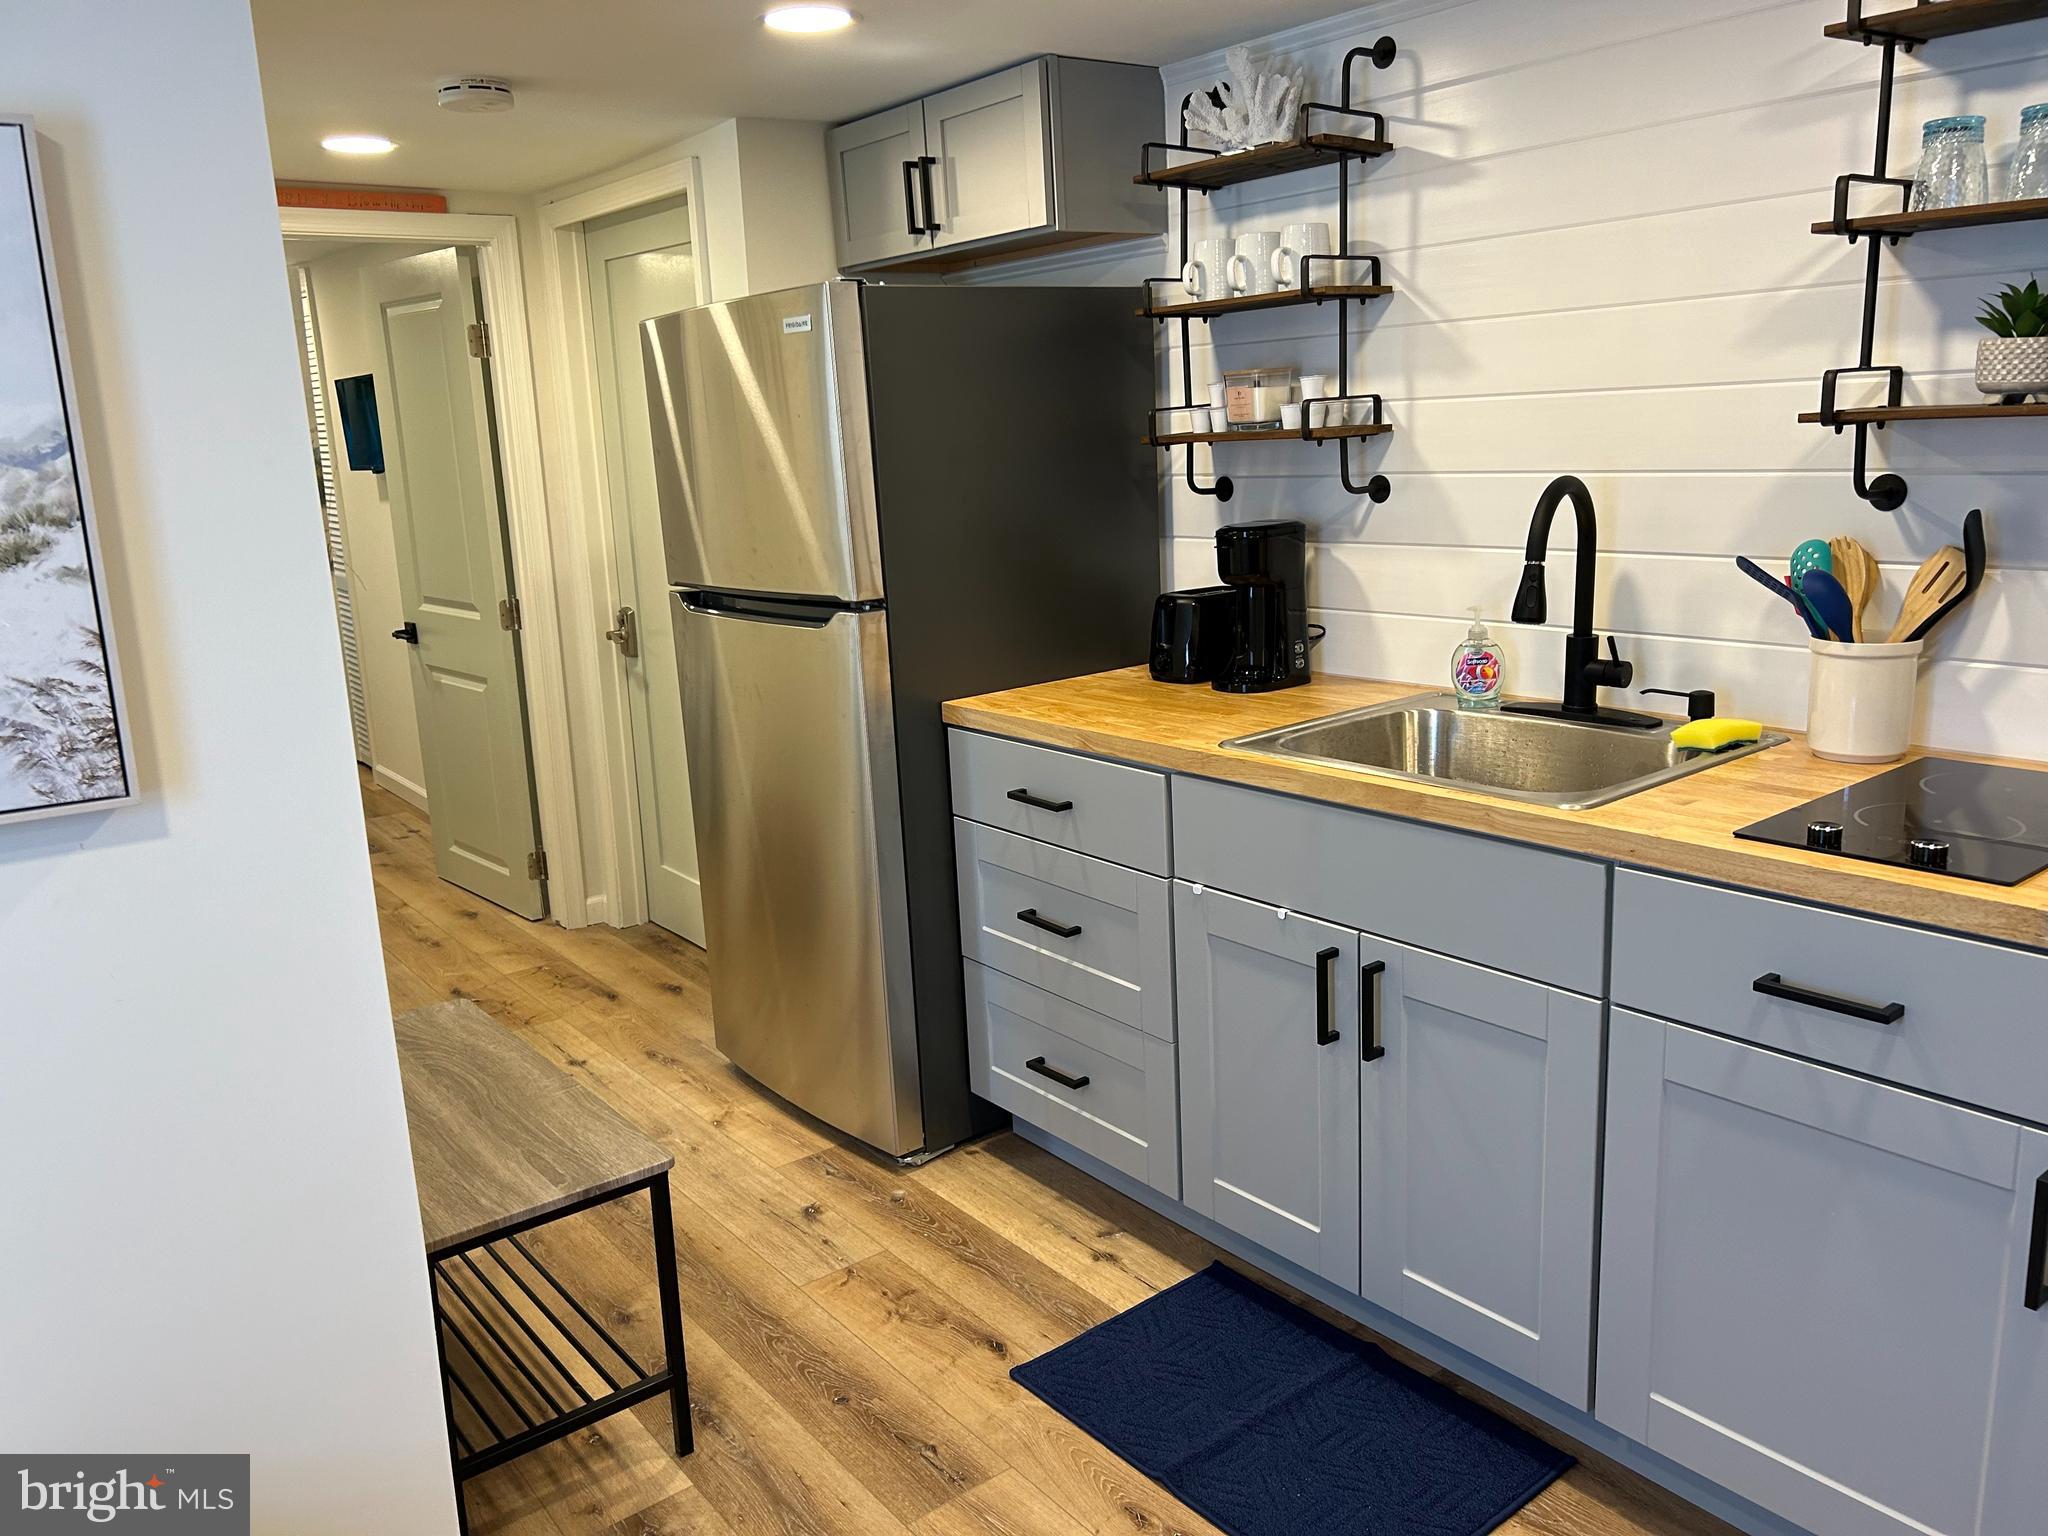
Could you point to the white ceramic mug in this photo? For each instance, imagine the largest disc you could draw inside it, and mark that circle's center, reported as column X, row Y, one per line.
column 1300, row 240
column 1251, row 269
column 1205, row 276
column 1314, row 387
column 1859, row 700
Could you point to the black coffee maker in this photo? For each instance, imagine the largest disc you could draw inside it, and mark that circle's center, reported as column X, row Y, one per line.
column 1266, row 567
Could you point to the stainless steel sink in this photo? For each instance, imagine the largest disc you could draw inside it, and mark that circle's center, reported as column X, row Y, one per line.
column 1429, row 740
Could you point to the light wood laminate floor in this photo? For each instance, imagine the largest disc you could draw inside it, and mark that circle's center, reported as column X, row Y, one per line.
column 851, row 1324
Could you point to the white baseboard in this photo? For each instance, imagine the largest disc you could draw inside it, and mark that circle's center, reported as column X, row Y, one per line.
column 412, row 794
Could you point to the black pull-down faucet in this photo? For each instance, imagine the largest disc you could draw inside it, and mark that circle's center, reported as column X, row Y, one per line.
column 1586, row 672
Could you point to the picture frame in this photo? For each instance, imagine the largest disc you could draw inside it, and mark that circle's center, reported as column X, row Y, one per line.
column 65, row 742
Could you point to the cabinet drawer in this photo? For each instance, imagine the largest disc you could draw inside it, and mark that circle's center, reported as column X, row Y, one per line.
column 1095, row 933
column 1970, row 1023
column 1088, row 1080
column 1082, row 803
column 1526, row 911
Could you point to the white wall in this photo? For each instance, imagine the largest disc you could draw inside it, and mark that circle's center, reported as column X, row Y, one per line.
column 348, row 343
column 210, row 1236
column 1596, row 219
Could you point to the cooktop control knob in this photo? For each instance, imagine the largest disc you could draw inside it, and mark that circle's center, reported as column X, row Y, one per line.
column 1927, row 853
column 1824, row 835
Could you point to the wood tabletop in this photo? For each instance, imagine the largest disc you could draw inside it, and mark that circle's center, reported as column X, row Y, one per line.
column 1685, row 827
column 499, row 1134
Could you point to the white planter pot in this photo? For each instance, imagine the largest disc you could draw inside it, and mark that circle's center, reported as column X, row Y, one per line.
column 2013, row 365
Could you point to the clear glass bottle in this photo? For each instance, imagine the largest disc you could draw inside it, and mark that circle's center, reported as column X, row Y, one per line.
column 1951, row 171
column 2030, row 159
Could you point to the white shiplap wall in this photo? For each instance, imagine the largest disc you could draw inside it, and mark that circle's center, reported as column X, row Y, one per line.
column 1596, row 222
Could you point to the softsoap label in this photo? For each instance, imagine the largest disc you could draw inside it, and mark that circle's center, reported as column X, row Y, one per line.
column 146, row 1496
column 794, row 324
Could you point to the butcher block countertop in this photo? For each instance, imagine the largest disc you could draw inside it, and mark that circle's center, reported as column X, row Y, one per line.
column 1685, row 827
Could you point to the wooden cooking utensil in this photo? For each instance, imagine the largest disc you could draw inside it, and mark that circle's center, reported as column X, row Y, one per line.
column 1856, row 569
column 1942, row 575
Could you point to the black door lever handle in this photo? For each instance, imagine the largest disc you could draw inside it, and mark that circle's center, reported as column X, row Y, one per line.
column 409, row 632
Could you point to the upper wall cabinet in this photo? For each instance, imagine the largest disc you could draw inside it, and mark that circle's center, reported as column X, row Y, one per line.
column 1034, row 156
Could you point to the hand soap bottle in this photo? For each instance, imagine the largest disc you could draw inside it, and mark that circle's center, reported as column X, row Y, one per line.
column 1477, row 668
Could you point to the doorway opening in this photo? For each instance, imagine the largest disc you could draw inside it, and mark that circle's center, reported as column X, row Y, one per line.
column 401, row 400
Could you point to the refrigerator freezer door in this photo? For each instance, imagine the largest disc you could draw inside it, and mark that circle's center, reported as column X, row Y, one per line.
column 761, row 447
column 792, row 757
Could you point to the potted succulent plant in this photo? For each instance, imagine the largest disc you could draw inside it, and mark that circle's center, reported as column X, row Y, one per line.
column 2013, row 363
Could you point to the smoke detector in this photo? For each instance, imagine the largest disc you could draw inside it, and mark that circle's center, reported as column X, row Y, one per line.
column 474, row 93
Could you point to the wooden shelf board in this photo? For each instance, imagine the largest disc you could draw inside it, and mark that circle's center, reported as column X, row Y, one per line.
column 1944, row 218
column 1281, row 300
column 1882, row 413
column 1945, row 18
column 1268, row 160
column 1272, row 435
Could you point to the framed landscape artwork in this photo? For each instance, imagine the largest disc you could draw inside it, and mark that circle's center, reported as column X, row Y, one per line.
column 63, row 740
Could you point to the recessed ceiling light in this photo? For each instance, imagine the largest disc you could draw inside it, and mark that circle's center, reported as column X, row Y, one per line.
column 357, row 144
column 808, row 18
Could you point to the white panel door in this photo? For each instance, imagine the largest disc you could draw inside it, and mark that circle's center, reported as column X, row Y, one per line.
column 1814, row 1288
column 877, row 204
column 455, row 578
column 1481, row 1150
column 994, row 169
column 1268, row 1004
column 640, row 265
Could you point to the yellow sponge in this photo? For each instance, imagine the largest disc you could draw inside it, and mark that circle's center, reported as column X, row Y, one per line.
column 1716, row 735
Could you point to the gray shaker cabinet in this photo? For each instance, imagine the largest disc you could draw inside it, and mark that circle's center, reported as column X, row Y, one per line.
column 1481, row 1142
column 1269, row 1044
column 1815, row 1288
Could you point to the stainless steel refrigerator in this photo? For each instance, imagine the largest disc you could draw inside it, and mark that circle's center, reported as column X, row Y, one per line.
column 875, row 499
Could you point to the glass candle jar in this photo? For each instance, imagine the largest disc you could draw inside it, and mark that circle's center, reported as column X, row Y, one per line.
column 1951, row 171
column 1252, row 397
column 2030, row 159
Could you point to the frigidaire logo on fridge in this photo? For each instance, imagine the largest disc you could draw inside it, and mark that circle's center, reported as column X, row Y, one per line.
column 185, row 1496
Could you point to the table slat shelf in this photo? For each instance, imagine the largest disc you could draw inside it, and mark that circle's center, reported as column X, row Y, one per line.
column 1206, row 175
column 1238, row 304
column 1878, row 415
column 1945, row 18
column 1272, row 435
column 1976, row 215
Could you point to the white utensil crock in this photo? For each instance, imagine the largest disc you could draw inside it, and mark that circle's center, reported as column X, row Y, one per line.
column 1859, row 701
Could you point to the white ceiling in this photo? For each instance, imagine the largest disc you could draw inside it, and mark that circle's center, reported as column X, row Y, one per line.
column 603, row 81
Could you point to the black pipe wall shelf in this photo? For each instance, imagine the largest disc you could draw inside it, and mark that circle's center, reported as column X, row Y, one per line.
column 1893, row 31
column 1339, row 285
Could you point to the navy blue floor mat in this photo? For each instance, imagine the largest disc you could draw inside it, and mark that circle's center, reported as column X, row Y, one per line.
column 1270, row 1422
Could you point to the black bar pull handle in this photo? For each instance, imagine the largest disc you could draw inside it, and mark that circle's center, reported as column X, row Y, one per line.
column 910, row 197
column 1065, row 931
column 924, row 175
column 2037, row 1247
column 1326, row 981
column 1037, row 1064
column 1771, row 984
column 1369, row 1006
column 1037, row 803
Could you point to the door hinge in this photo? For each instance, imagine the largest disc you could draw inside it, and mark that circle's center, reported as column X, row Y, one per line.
column 537, row 865
column 508, row 614
column 480, row 339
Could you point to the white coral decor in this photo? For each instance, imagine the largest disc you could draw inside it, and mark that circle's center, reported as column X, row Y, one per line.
column 1258, row 109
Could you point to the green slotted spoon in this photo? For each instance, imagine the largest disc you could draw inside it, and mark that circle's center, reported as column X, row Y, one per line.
column 1813, row 555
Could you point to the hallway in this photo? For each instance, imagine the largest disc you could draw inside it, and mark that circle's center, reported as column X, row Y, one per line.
column 851, row 1325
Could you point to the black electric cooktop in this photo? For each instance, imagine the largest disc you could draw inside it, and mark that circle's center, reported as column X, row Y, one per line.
column 1970, row 820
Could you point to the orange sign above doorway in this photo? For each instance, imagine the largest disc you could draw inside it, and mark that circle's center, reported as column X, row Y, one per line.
column 374, row 199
